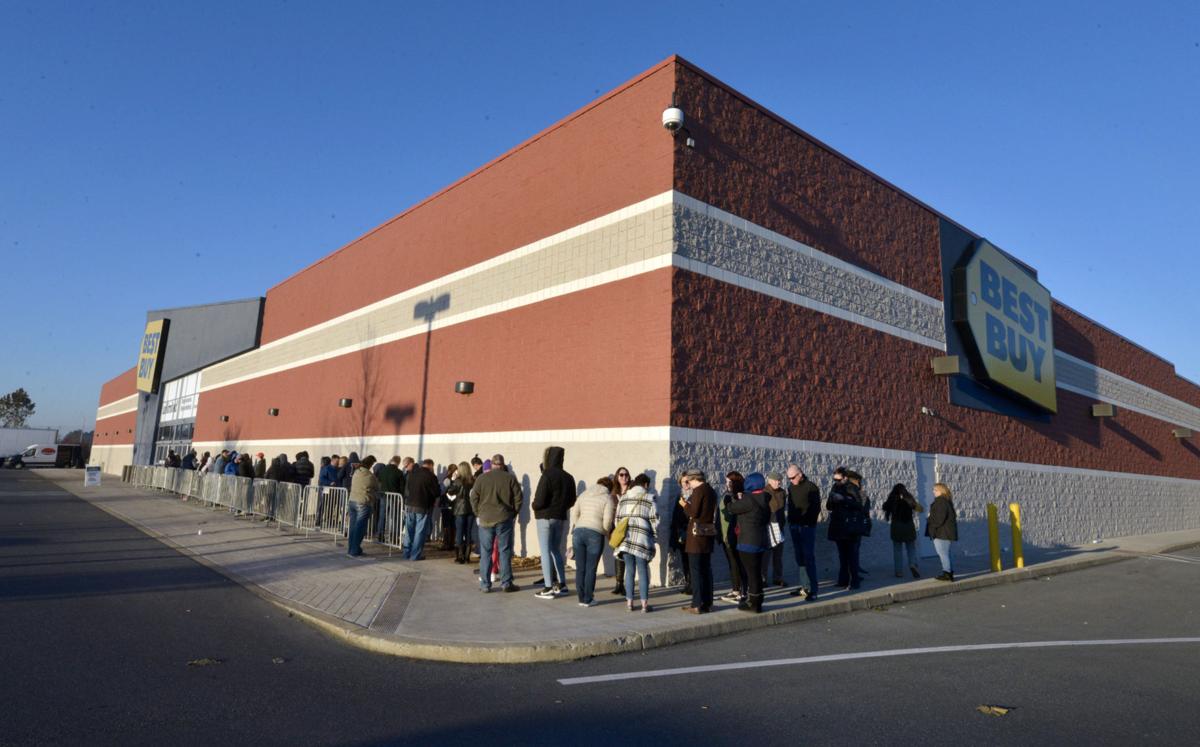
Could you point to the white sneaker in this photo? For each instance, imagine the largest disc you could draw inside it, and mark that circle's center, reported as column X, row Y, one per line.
column 546, row 594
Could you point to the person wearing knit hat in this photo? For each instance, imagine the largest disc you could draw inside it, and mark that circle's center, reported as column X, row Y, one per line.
column 753, row 512
column 777, row 498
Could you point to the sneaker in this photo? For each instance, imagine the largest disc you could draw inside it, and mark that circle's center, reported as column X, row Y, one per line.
column 512, row 588
column 562, row 590
column 584, row 604
column 546, row 593
column 733, row 596
column 485, row 589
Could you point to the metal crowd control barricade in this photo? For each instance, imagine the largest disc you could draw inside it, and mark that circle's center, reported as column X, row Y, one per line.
column 241, row 494
column 329, row 513
column 212, row 489
column 387, row 523
column 289, row 503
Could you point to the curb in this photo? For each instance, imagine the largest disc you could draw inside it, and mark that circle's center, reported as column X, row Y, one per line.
column 563, row 650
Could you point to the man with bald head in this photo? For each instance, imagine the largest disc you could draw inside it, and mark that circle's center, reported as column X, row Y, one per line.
column 804, row 509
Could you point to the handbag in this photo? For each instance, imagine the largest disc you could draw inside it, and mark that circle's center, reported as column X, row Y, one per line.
column 776, row 533
column 702, row 529
column 618, row 533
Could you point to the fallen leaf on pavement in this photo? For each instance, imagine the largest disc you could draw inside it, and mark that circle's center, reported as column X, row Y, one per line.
column 994, row 710
column 203, row 662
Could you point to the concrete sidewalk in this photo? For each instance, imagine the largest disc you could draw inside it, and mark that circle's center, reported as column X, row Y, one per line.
column 433, row 609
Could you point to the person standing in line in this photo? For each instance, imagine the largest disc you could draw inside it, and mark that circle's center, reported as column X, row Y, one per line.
column 942, row 528
column 701, row 508
column 464, row 520
column 205, row 462
column 446, row 507
column 899, row 509
column 347, row 472
column 189, row 460
column 390, row 481
column 753, row 512
column 804, row 509
column 302, row 469
column 421, row 494
column 592, row 517
column 496, row 501
column 260, row 465
column 218, row 466
column 232, row 465
column 364, row 493
column 620, row 488
column 637, row 549
column 676, row 543
column 552, row 500
column 734, row 486
column 327, row 475
column 844, row 505
column 245, row 467
column 778, row 501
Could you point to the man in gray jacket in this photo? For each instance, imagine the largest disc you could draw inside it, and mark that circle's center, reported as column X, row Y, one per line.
column 496, row 499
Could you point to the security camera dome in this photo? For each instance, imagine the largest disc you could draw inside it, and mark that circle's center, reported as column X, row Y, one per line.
column 673, row 118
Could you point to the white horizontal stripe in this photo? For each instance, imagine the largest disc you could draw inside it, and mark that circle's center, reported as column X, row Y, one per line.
column 117, row 407
column 729, row 218
column 425, row 288
column 734, row 666
column 757, row 286
column 566, row 435
column 609, row 276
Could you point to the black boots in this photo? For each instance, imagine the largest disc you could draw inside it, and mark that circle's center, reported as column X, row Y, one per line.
column 460, row 553
column 944, row 576
column 752, row 603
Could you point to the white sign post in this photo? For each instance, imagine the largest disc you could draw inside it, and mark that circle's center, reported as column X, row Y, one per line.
column 91, row 476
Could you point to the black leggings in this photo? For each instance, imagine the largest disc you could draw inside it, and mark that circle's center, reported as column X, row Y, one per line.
column 753, row 563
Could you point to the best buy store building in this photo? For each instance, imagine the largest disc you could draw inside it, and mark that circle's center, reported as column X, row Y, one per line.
column 622, row 291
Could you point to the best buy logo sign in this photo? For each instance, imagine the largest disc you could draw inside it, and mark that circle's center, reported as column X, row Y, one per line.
column 1003, row 314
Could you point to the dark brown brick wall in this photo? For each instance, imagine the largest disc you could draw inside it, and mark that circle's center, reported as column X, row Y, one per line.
column 756, row 166
column 747, row 363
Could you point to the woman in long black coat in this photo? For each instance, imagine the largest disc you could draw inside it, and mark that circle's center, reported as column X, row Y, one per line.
column 899, row 509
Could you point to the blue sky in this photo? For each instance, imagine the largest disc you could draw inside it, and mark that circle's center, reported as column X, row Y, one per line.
column 168, row 154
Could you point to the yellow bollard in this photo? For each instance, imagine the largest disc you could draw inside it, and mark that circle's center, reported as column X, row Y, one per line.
column 1014, row 515
column 994, row 537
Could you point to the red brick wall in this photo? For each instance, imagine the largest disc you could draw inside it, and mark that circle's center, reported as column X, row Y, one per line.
column 119, row 387
column 754, row 165
column 592, row 359
column 609, row 155
column 839, row 382
column 116, row 430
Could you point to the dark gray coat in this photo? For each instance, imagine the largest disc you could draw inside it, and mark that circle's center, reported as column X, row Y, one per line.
column 943, row 520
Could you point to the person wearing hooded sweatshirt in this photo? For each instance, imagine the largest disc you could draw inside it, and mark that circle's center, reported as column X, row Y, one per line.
column 753, row 512
column 278, row 471
column 554, row 497
column 245, row 467
column 637, row 549
column 347, row 473
column 845, row 502
column 592, row 516
column 231, row 466
column 189, row 460
column 302, row 470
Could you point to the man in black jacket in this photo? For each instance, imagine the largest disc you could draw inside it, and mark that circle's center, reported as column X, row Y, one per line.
column 804, row 509
column 421, row 492
column 554, row 497
column 302, row 469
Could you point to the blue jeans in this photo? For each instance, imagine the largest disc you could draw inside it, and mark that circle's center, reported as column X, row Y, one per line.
column 550, row 537
column 589, row 548
column 462, row 529
column 639, row 568
column 804, row 545
column 358, row 515
column 897, row 556
column 416, row 531
column 943, row 550
column 502, row 532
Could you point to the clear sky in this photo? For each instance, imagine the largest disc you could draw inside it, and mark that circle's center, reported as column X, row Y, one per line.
column 164, row 154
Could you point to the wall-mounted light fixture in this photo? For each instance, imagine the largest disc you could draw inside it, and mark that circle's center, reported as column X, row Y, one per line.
column 345, row 402
column 273, row 411
column 945, row 365
column 1181, row 433
column 224, row 418
column 464, row 387
column 1103, row 410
